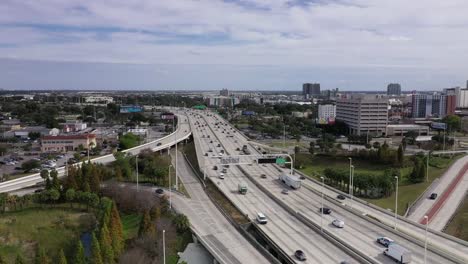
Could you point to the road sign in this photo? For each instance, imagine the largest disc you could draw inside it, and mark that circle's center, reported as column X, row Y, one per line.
column 280, row 160
column 266, row 160
column 229, row 160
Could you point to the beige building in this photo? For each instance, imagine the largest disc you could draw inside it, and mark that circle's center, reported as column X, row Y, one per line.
column 62, row 143
column 363, row 113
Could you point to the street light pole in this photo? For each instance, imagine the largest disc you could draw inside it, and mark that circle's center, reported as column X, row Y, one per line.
column 170, row 188
column 396, row 202
column 164, row 246
column 427, row 166
column 321, row 210
column 136, row 167
column 426, row 218
column 350, row 174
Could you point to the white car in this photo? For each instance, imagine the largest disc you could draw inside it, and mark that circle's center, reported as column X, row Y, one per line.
column 221, row 176
column 384, row 241
column 261, row 218
column 338, row 223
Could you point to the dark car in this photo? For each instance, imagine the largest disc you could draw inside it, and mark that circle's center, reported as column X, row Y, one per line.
column 215, row 167
column 159, row 191
column 302, row 177
column 300, row 255
column 159, row 144
column 341, row 197
column 325, row 210
column 433, row 196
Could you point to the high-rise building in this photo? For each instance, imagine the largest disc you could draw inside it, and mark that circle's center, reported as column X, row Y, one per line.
column 363, row 113
column 310, row 90
column 394, row 89
column 224, row 92
column 433, row 105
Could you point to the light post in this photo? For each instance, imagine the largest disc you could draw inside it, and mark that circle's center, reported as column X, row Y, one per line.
column 175, row 136
column 427, row 166
column 136, row 168
column 396, row 202
column 321, row 209
column 350, row 174
column 170, row 188
column 426, row 218
column 164, row 246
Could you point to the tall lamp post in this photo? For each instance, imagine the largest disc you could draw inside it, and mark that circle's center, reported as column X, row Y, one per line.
column 164, row 246
column 396, row 202
column 136, row 168
column 170, row 187
column 427, row 166
column 321, row 209
column 426, row 218
column 350, row 173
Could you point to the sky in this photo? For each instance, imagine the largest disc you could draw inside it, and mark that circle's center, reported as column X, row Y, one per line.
column 234, row 44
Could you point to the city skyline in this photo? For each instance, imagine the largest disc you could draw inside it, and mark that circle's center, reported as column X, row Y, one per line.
column 241, row 45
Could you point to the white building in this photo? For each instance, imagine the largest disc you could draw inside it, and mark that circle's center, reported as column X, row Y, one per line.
column 326, row 114
column 363, row 113
column 98, row 99
column 223, row 101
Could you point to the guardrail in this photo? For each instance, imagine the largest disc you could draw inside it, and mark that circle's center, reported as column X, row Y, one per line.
column 389, row 229
column 377, row 208
column 363, row 258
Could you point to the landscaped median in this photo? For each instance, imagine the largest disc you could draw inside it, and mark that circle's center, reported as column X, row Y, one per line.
column 408, row 192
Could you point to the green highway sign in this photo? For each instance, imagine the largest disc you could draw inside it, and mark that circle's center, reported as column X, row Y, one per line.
column 280, row 160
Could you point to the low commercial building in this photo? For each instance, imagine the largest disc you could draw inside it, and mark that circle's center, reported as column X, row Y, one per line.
column 98, row 99
column 62, row 143
column 402, row 129
column 73, row 126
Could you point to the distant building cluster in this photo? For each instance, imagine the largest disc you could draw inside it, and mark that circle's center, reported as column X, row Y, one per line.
column 394, row 89
column 310, row 90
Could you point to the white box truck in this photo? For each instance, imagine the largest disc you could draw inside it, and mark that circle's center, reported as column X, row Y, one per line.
column 291, row 181
column 398, row 253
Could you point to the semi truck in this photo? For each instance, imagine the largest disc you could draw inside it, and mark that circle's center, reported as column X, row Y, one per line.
column 291, row 181
column 242, row 188
column 398, row 253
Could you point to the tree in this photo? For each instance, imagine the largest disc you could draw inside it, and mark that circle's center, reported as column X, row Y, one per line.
column 70, row 196
column 41, row 256
column 128, row 140
column 400, row 154
column 96, row 255
column 79, row 256
column 106, row 245
column 155, row 213
column 45, row 175
column 61, row 258
column 2, row 260
column 55, row 184
column 453, row 122
column 146, row 225
column 116, row 228
column 30, row 164
column 19, row 259
column 182, row 223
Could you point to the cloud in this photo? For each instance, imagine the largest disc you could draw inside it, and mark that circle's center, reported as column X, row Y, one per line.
column 315, row 33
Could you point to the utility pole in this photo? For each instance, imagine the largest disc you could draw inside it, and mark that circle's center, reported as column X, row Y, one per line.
column 136, row 167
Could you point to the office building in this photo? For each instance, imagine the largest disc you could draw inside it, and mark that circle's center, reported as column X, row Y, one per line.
column 310, row 90
column 394, row 89
column 222, row 101
column 363, row 113
column 62, row 143
column 461, row 96
column 433, row 105
column 326, row 114
column 224, row 92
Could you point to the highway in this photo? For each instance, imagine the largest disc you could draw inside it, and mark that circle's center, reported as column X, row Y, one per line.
column 182, row 133
column 283, row 228
column 357, row 231
column 221, row 238
column 440, row 217
column 361, row 235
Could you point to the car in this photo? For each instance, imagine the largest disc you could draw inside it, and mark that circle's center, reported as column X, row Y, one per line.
column 325, row 210
column 215, row 167
column 221, row 176
column 224, row 170
column 238, row 149
column 433, row 196
column 159, row 191
column 338, row 223
column 261, row 218
column 159, row 144
column 384, row 241
column 206, row 154
column 38, row 190
column 263, row 176
column 302, row 177
column 285, row 191
column 300, row 255
column 340, row 197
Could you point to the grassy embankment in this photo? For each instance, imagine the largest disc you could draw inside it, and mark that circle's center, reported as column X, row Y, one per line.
column 458, row 227
column 407, row 192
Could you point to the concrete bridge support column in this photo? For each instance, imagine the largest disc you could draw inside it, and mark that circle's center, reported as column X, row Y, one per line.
column 195, row 239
